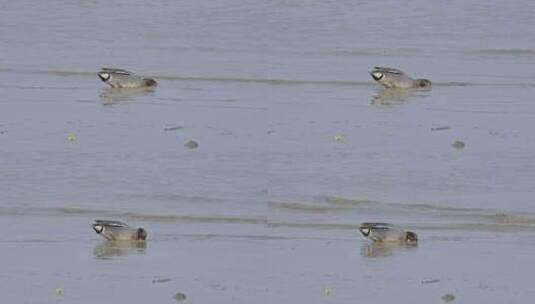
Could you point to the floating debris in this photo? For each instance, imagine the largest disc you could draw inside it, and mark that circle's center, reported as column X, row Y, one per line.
column 458, row 144
column 60, row 290
column 430, row 281
column 338, row 138
column 328, row 291
column 179, row 296
column 441, row 128
column 161, row 280
column 173, row 128
column 3, row 131
column 448, row 297
column 191, row 144
column 72, row 137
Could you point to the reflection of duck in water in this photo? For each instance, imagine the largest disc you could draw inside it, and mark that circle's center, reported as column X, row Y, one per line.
column 394, row 78
column 110, row 249
column 119, row 78
column 387, row 233
column 117, row 95
column 381, row 250
column 388, row 97
column 118, row 231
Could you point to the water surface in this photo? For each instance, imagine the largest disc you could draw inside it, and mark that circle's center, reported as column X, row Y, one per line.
column 297, row 146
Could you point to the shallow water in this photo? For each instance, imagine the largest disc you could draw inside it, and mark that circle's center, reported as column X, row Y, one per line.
column 297, row 146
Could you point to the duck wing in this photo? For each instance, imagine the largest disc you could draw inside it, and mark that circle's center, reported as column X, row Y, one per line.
column 389, row 70
column 377, row 225
column 116, row 71
column 108, row 223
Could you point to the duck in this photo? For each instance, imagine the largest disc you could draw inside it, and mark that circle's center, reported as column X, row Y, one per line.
column 394, row 78
column 118, row 231
column 384, row 232
column 120, row 78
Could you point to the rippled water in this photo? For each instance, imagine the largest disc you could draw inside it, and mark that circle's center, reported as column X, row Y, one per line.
column 297, row 146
